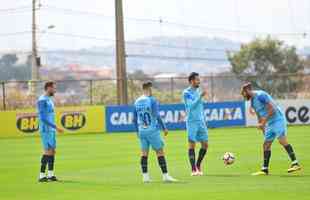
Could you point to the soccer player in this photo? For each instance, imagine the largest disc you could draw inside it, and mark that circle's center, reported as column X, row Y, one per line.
column 195, row 122
column 47, row 130
column 272, row 122
column 148, row 124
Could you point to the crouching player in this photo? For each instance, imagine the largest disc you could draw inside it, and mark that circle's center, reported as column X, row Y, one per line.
column 272, row 122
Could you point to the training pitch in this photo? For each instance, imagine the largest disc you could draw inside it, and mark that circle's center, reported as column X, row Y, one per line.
column 106, row 166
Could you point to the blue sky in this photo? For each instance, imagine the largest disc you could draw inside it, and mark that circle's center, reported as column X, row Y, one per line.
column 220, row 18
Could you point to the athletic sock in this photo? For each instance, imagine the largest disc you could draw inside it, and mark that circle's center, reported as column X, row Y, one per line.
column 163, row 165
column 267, row 155
column 191, row 156
column 50, row 162
column 50, row 173
column 44, row 160
column 291, row 154
column 201, row 155
column 143, row 163
column 42, row 175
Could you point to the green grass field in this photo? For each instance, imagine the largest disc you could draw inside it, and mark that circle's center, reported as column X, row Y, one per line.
column 106, row 166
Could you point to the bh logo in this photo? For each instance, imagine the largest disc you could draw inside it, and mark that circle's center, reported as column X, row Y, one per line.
column 73, row 121
column 28, row 123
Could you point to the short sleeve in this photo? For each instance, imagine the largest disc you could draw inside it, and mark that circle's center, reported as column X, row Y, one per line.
column 264, row 98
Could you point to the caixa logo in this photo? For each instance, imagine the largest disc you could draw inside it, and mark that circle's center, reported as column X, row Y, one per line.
column 73, row 121
column 28, row 123
column 298, row 114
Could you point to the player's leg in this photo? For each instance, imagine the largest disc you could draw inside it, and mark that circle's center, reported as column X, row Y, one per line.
column 44, row 158
column 157, row 144
column 201, row 155
column 145, row 145
column 269, row 138
column 51, row 157
column 144, row 166
column 290, row 151
column 267, row 156
column 192, row 157
column 163, row 166
column 202, row 137
column 192, row 139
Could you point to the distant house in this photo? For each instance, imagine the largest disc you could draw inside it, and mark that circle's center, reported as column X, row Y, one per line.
column 164, row 77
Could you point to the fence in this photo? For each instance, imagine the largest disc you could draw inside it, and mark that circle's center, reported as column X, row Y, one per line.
column 16, row 94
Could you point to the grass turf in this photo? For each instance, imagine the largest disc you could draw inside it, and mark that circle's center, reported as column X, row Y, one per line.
column 106, row 166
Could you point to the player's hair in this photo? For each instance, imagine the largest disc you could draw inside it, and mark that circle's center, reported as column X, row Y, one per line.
column 48, row 84
column 192, row 76
column 147, row 85
column 247, row 86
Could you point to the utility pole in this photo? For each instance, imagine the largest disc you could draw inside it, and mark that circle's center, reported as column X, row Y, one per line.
column 121, row 73
column 34, row 56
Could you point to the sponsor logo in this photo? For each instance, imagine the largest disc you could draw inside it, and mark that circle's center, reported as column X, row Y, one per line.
column 294, row 114
column 73, row 120
column 120, row 118
column 27, row 123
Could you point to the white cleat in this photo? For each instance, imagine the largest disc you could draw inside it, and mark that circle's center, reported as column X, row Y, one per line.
column 194, row 173
column 146, row 178
column 199, row 172
column 167, row 178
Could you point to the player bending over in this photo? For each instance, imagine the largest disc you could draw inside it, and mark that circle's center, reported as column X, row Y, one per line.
column 272, row 122
column 47, row 130
column 148, row 123
column 195, row 122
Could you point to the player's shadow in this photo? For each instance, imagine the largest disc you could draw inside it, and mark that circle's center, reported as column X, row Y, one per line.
column 67, row 182
column 224, row 175
column 295, row 176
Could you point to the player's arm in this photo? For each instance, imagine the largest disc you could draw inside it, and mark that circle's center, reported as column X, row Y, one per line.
column 190, row 102
column 252, row 111
column 42, row 105
column 135, row 119
column 263, row 98
column 156, row 114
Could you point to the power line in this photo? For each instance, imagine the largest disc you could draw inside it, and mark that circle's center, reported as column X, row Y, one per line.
column 80, row 36
column 14, row 33
column 113, row 40
column 172, row 23
column 175, row 58
column 15, row 9
column 142, row 43
column 69, row 11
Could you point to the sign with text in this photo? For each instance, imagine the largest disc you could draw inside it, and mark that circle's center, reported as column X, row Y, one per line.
column 220, row 114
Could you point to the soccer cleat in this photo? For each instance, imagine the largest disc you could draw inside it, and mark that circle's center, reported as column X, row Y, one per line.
column 260, row 173
column 194, row 173
column 52, row 179
column 146, row 178
column 43, row 179
column 167, row 178
column 294, row 168
column 199, row 172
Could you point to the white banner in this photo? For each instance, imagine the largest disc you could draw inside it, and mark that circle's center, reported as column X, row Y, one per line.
column 295, row 111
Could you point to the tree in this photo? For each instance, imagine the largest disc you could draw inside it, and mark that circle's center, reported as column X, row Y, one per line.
column 8, row 60
column 9, row 69
column 268, row 63
column 138, row 75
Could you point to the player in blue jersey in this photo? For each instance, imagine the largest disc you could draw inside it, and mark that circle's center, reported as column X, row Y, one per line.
column 148, row 124
column 195, row 122
column 47, row 128
column 272, row 122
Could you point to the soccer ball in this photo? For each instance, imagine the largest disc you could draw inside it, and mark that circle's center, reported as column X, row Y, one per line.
column 228, row 158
